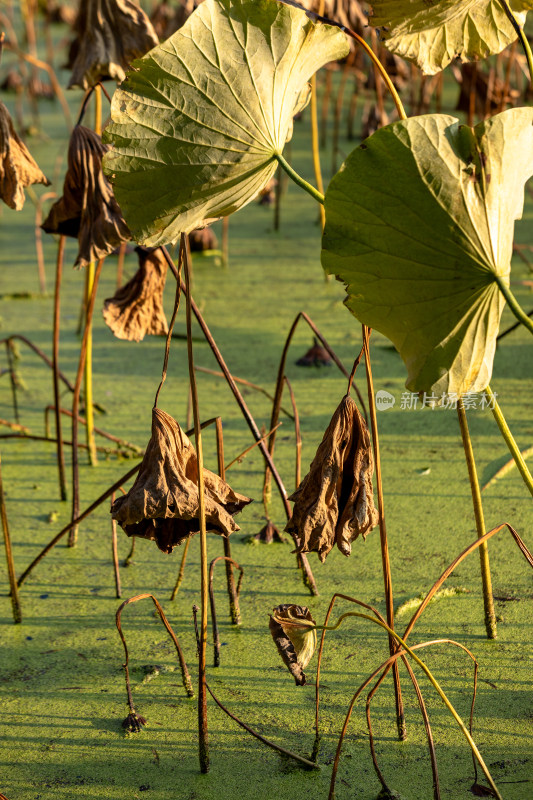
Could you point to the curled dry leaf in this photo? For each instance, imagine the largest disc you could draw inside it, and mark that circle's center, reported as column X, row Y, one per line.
column 87, row 210
column 162, row 504
column 334, row 503
column 109, row 35
column 293, row 630
column 136, row 309
column 17, row 167
column 203, row 239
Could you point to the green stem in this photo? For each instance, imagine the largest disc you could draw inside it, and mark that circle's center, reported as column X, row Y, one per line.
column 318, row 196
column 512, row 302
column 314, row 147
column 522, row 37
column 431, row 679
column 509, row 440
column 488, row 599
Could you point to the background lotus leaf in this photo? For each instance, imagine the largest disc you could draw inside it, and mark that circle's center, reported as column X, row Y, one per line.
column 197, row 124
column 433, row 33
column 419, row 226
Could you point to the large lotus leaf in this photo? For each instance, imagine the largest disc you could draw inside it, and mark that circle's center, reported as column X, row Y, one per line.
column 198, row 122
column 433, row 33
column 419, row 226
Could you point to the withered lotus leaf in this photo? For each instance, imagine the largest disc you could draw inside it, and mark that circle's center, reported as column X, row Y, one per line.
column 162, row 504
column 17, row 167
column 293, row 630
column 110, row 34
column 334, row 503
column 87, row 210
column 136, row 309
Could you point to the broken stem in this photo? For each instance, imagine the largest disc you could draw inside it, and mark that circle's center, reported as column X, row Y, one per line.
column 114, row 552
column 229, row 563
column 488, row 600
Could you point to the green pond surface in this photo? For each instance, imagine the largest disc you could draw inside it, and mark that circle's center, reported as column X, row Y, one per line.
column 62, row 693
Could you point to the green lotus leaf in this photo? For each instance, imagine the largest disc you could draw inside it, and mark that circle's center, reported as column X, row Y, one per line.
column 419, row 226
column 197, row 124
column 433, row 33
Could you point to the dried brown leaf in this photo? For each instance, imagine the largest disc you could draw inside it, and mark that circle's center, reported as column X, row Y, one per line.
column 334, row 504
column 293, row 629
column 202, row 239
column 167, row 18
column 88, row 210
column 17, row 167
column 110, row 34
column 162, row 504
column 136, row 309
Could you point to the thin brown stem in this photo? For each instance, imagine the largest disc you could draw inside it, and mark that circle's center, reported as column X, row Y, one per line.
column 488, row 600
column 12, row 378
column 73, row 535
column 55, row 362
column 187, row 683
column 216, row 638
column 297, row 434
column 15, row 601
column 234, row 610
column 202, row 697
column 171, row 328
column 114, row 553
column 387, row 578
column 181, row 573
column 120, row 263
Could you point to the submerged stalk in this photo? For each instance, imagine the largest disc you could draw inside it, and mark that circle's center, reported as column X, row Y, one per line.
column 488, row 600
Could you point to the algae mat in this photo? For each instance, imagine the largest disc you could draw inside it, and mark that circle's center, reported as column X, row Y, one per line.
column 61, row 679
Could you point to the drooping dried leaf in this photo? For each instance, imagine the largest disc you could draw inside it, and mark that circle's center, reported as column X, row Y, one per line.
column 316, row 356
column 162, row 504
column 87, row 210
column 268, row 534
column 203, row 239
column 136, row 309
column 168, row 18
column 109, row 35
column 17, row 167
column 334, row 503
column 293, row 629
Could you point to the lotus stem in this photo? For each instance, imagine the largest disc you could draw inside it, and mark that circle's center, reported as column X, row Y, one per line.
column 387, row 578
column 432, row 680
column 76, row 404
column 184, row 670
column 120, row 263
column 181, row 572
column 233, row 595
column 509, row 440
column 513, row 304
column 229, row 563
column 129, row 558
column 202, row 695
column 297, row 434
column 15, row 601
column 366, row 47
column 522, row 37
column 12, row 378
column 315, row 148
column 114, row 553
column 325, row 108
column 302, row 183
column 488, row 600
column 55, row 361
